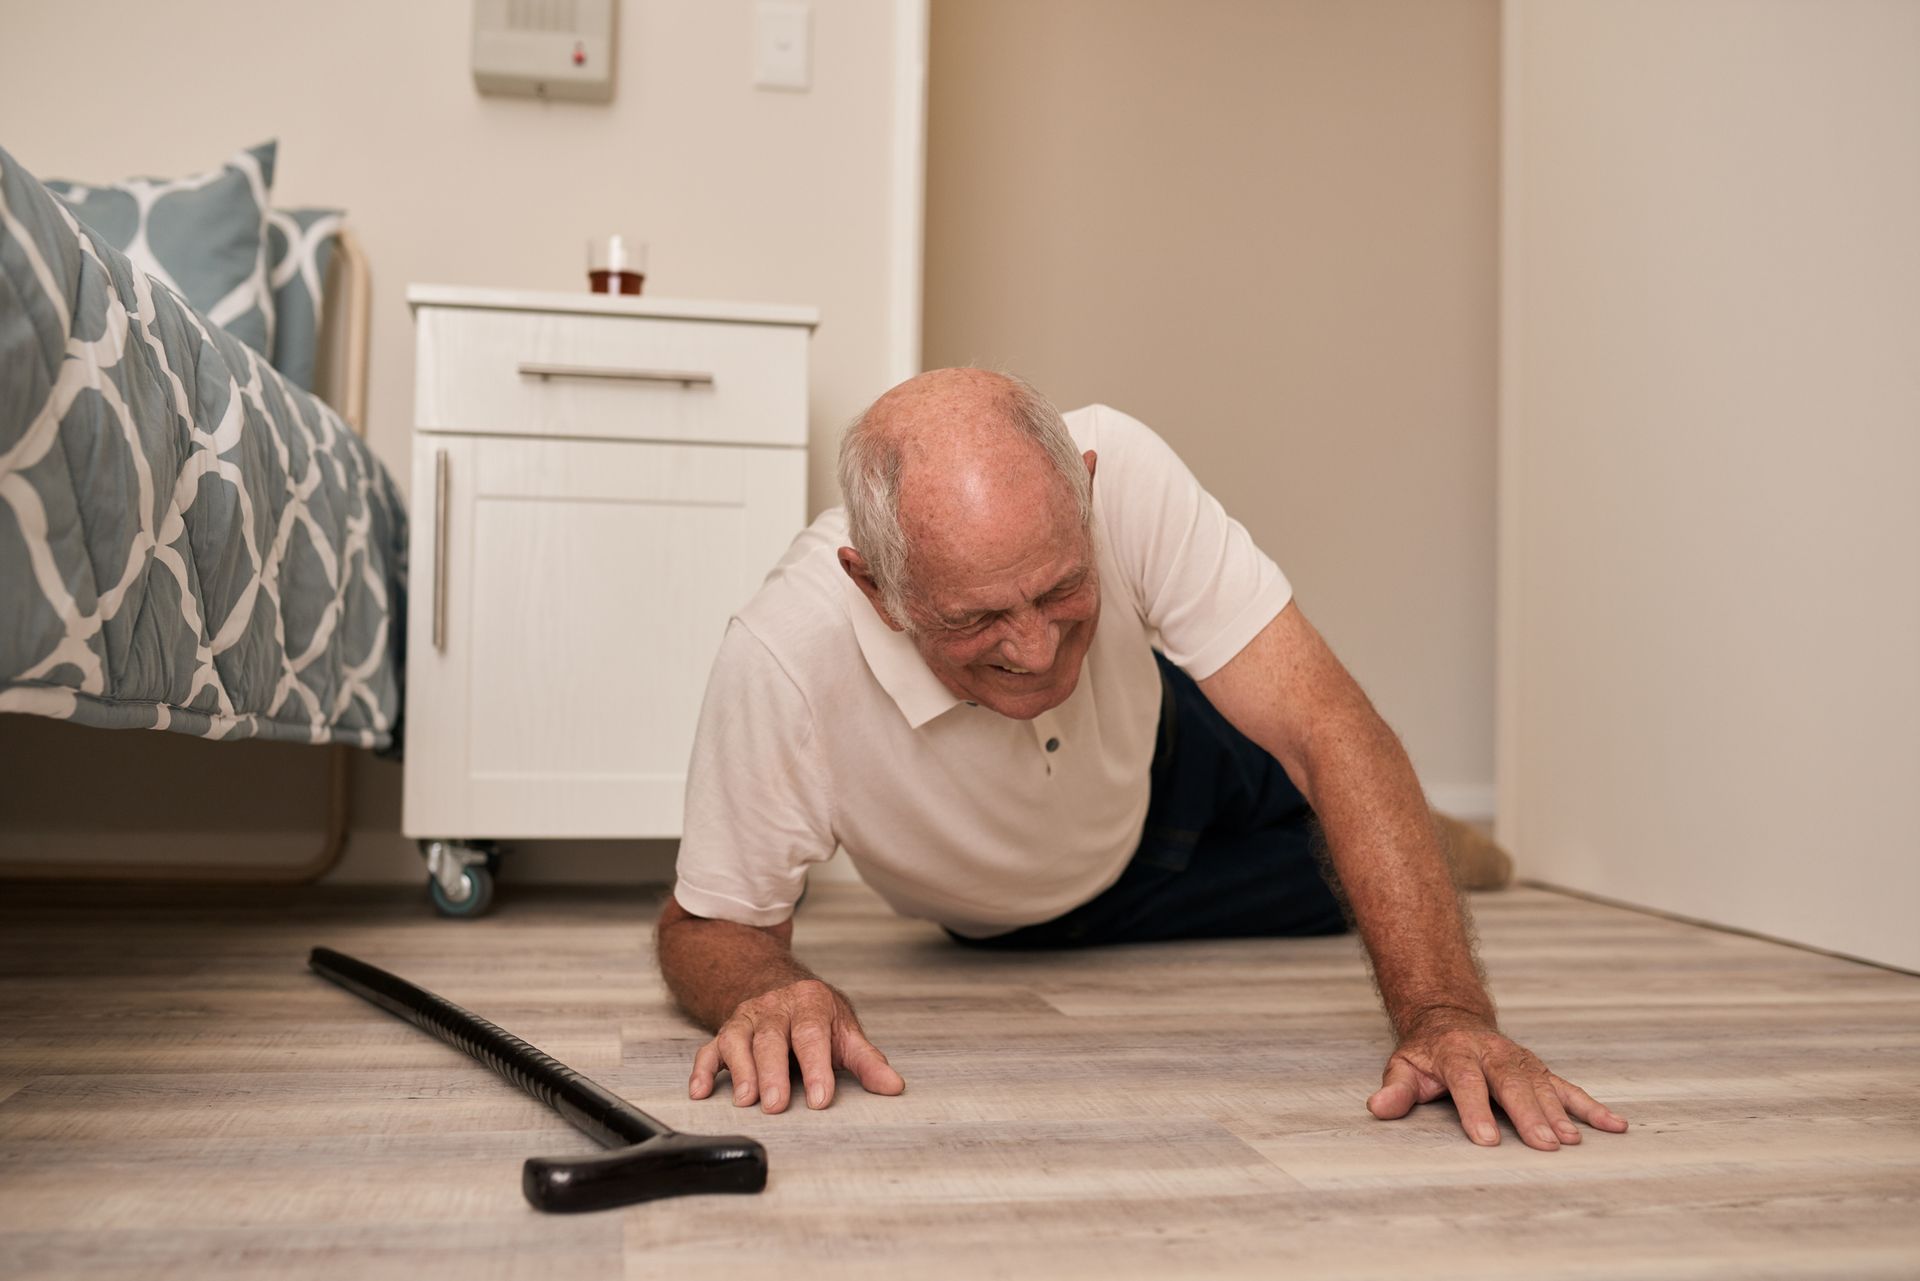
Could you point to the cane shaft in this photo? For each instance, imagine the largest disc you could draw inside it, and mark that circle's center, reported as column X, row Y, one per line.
column 603, row 1116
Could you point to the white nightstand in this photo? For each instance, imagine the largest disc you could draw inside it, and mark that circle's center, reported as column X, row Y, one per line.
column 598, row 483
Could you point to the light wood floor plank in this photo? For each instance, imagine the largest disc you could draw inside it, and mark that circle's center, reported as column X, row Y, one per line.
column 179, row 1097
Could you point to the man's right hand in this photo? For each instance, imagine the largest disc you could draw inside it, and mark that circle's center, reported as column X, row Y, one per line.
column 812, row 1020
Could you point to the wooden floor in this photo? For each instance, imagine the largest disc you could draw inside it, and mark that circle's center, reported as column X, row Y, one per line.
column 179, row 1097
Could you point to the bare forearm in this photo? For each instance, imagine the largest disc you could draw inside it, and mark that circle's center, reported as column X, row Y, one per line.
column 713, row 966
column 1288, row 693
column 1393, row 871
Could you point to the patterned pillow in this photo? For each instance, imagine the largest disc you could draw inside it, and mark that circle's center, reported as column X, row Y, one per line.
column 299, row 244
column 204, row 237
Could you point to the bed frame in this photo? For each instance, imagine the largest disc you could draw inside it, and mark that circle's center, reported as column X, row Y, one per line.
column 348, row 384
column 343, row 384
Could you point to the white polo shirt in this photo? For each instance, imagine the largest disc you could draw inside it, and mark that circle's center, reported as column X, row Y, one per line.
column 822, row 727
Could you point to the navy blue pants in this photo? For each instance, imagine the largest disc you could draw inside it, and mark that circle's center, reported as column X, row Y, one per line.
column 1231, row 848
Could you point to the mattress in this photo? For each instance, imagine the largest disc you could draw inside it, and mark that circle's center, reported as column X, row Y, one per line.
column 188, row 541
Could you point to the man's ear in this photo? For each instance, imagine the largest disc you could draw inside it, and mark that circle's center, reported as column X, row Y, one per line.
column 1090, row 459
column 856, row 566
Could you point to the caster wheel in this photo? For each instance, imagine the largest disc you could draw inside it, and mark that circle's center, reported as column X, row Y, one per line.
column 477, row 884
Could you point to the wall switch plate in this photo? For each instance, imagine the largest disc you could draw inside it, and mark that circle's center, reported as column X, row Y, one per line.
column 783, row 44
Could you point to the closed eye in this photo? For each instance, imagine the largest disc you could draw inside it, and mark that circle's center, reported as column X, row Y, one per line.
column 974, row 624
column 1064, row 590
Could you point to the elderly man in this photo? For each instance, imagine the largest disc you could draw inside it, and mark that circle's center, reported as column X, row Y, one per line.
column 1046, row 693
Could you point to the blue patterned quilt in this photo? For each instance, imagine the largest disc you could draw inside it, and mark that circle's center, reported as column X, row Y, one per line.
column 187, row 541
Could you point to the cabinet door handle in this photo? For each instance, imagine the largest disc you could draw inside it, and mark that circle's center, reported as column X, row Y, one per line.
column 685, row 377
column 440, row 549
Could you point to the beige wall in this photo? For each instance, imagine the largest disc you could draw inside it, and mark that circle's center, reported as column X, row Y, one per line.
column 1710, row 673
column 1268, row 228
column 742, row 194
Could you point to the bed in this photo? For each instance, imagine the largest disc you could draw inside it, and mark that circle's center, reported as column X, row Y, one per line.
column 189, row 540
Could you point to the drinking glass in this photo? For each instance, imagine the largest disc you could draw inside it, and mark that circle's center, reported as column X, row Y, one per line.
column 616, row 264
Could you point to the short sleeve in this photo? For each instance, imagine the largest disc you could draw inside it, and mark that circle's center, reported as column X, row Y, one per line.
column 1201, row 582
column 758, row 812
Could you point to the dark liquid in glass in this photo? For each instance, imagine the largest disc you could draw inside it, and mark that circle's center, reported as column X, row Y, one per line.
column 603, row 281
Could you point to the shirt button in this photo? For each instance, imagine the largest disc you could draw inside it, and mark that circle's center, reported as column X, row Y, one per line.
column 1053, row 745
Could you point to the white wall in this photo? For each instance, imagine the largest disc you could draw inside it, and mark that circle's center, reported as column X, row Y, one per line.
column 742, row 193
column 1710, row 624
column 1268, row 229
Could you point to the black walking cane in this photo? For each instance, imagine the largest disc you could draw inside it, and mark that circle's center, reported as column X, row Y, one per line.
column 653, row 1159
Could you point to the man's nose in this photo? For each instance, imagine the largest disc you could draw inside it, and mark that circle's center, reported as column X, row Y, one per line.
column 1032, row 641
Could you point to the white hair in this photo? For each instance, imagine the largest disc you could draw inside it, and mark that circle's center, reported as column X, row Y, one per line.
column 870, row 467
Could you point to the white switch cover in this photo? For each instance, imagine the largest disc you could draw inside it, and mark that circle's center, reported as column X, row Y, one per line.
column 782, row 44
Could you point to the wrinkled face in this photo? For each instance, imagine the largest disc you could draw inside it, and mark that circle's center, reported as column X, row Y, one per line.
column 1009, row 631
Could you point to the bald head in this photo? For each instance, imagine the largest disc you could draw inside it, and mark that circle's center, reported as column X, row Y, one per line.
column 958, row 468
column 969, row 507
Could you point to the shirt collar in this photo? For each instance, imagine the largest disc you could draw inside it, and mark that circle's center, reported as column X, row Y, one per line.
column 895, row 663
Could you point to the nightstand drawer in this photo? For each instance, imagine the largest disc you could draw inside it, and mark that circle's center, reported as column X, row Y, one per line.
column 530, row 373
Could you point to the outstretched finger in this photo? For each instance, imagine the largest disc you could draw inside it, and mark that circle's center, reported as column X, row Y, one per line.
column 1399, row 1090
column 1586, row 1107
column 770, row 1061
column 736, row 1050
column 706, row 1065
column 1556, row 1113
column 859, row 1056
column 1468, row 1086
column 813, row 1047
column 1514, row 1087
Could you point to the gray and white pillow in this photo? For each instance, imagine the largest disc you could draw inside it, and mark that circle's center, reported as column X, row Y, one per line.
column 299, row 245
column 204, row 236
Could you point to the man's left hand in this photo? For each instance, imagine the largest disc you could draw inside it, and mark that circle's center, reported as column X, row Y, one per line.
column 1466, row 1057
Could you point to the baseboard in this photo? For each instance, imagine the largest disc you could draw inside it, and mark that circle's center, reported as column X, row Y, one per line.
column 57, row 852
column 386, row 858
column 371, row 857
column 1471, row 801
column 1631, row 905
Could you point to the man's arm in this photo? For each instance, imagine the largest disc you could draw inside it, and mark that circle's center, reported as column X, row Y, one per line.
column 1287, row 692
column 744, row 983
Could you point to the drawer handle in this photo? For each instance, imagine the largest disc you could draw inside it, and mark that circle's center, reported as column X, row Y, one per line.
column 440, row 486
column 685, row 377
